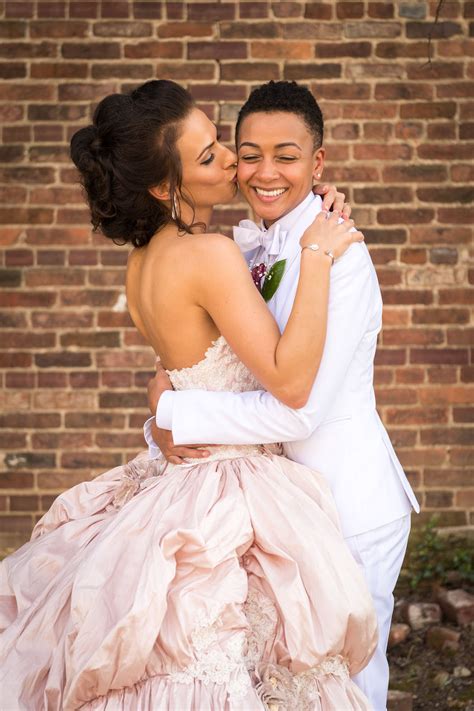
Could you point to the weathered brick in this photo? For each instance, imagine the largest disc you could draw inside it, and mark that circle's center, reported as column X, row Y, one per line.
column 253, row 10
column 254, row 30
column 91, row 50
column 210, row 11
column 146, row 10
column 114, row 8
column 58, row 28
column 122, row 29
column 313, row 10
column 185, row 29
column 153, row 49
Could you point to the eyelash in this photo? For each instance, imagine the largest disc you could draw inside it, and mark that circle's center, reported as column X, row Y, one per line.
column 287, row 159
column 209, row 160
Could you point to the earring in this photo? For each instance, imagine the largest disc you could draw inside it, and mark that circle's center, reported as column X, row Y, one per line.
column 174, row 208
column 318, row 175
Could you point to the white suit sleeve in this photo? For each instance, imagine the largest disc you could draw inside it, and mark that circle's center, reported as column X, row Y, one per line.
column 199, row 416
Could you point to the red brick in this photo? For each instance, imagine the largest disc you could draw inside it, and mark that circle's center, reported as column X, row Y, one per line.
column 153, row 49
column 438, row 151
column 396, row 91
column 13, row 70
column 281, row 49
column 13, row 29
column 211, row 11
column 19, row 50
column 83, row 92
column 440, row 235
column 83, row 8
column 175, row 10
column 58, row 28
column 313, row 10
column 381, row 10
column 58, row 70
column 253, row 10
column 349, row 10
column 441, row 132
column 146, row 10
column 257, row 30
column 114, row 8
column 216, row 50
column 441, row 30
column 52, row 380
column 390, row 216
column 14, row 134
column 91, row 50
column 256, row 71
column 456, row 215
column 431, row 110
column 185, row 29
column 122, row 29
column 346, row 49
column 18, row 8
column 456, row 356
column 463, row 414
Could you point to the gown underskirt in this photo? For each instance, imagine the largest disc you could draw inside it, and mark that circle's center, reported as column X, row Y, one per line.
column 221, row 584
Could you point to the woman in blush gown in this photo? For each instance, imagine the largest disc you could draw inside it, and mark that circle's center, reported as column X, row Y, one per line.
column 222, row 584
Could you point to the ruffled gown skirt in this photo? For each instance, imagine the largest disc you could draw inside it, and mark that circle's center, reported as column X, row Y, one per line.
column 222, row 585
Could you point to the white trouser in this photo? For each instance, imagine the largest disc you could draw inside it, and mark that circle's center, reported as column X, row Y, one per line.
column 380, row 554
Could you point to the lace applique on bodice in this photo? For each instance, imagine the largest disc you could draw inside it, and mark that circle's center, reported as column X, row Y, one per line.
column 220, row 369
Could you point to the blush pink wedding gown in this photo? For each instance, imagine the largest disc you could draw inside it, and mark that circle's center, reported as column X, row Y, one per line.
column 220, row 585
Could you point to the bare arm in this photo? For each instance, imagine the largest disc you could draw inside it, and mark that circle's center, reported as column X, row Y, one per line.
column 285, row 364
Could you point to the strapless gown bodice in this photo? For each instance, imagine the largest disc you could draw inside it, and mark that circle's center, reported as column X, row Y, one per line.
column 221, row 370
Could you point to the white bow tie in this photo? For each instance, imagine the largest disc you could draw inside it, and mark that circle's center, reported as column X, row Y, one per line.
column 249, row 236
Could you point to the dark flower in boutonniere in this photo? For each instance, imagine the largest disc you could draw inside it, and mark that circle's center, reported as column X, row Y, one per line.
column 258, row 272
column 273, row 279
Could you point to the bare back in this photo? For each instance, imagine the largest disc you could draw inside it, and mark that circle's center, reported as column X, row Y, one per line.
column 161, row 297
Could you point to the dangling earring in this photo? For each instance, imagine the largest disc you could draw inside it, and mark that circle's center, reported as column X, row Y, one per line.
column 174, row 207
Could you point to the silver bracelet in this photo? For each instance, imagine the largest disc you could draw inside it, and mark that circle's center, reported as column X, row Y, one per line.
column 330, row 254
column 315, row 248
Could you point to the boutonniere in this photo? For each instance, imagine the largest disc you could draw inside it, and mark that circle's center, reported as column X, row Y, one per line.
column 267, row 282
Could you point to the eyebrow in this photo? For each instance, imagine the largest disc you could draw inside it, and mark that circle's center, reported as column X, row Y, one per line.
column 205, row 149
column 278, row 145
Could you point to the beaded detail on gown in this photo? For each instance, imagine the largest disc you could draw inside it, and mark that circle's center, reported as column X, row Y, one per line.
column 220, row 585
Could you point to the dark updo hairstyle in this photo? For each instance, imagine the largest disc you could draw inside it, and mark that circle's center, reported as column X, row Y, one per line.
column 287, row 96
column 129, row 148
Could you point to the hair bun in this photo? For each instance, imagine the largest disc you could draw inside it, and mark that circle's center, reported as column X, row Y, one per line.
column 85, row 154
column 84, row 147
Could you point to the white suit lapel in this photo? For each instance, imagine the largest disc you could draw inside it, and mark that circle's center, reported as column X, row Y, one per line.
column 282, row 301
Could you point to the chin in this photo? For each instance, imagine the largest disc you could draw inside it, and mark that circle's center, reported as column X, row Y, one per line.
column 228, row 196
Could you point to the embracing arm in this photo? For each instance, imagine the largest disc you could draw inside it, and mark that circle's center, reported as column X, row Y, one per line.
column 285, row 364
column 245, row 418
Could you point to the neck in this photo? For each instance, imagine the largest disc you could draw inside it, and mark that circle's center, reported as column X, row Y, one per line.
column 200, row 215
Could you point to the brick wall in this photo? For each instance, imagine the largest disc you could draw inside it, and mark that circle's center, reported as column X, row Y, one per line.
column 73, row 367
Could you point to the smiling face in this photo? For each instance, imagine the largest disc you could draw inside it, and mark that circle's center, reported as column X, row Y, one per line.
column 277, row 162
column 208, row 167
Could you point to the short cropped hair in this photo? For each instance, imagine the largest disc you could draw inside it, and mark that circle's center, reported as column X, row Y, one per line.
column 285, row 96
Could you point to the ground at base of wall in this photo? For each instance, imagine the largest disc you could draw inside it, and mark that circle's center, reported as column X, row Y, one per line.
column 438, row 680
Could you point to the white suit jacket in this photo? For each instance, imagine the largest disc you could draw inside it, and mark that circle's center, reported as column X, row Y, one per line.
column 338, row 432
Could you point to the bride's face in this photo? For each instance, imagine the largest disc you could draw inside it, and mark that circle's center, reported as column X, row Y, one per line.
column 209, row 169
